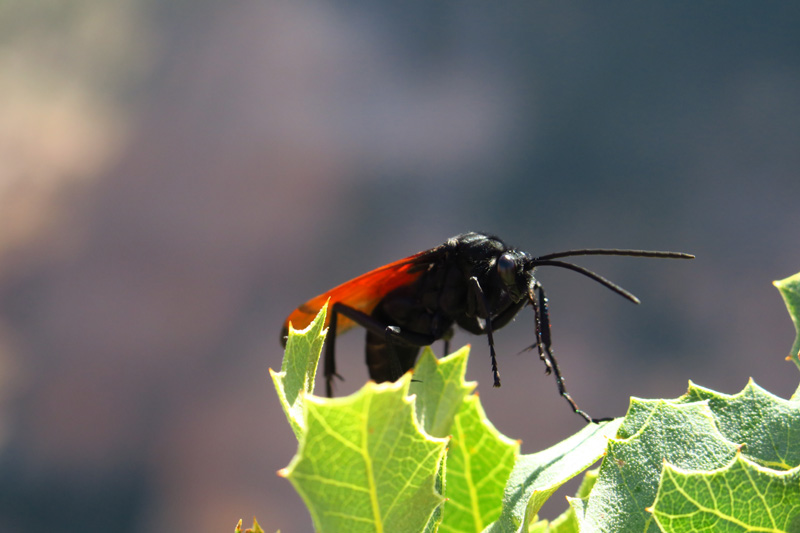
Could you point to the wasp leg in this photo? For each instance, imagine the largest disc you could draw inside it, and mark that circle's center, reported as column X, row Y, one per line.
column 446, row 338
column 479, row 298
column 330, row 358
column 396, row 340
column 538, row 300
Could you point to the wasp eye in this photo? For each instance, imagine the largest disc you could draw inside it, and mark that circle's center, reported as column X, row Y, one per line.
column 507, row 268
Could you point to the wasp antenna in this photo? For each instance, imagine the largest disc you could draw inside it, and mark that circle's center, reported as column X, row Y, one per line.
column 588, row 273
column 616, row 251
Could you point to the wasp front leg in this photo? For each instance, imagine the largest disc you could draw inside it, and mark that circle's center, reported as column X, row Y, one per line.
column 538, row 300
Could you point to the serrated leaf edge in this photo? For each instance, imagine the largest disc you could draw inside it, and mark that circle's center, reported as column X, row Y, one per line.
column 670, row 469
column 661, row 404
column 785, row 287
column 369, row 388
column 750, row 387
column 294, row 410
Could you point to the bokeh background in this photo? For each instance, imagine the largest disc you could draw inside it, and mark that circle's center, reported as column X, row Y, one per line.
column 175, row 177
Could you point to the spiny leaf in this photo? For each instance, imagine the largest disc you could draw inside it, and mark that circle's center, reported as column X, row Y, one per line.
column 535, row 477
column 767, row 426
column 741, row 496
column 440, row 389
column 479, row 460
column 296, row 378
column 363, row 463
column 654, row 431
column 790, row 291
column 567, row 522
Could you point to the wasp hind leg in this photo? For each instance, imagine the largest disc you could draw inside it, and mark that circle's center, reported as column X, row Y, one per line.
column 391, row 351
column 447, row 337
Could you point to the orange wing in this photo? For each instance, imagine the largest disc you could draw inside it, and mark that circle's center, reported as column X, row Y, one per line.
column 364, row 292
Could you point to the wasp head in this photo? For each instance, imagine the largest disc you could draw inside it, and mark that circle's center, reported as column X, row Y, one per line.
column 514, row 274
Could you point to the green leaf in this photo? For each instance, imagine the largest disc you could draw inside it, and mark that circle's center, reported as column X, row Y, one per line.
column 578, row 507
column 440, row 389
column 479, row 460
column 299, row 366
column 479, row 457
column 567, row 521
column 768, row 426
column 654, row 431
column 436, row 518
column 790, row 290
column 741, row 496
column 363, row 463
column 536, row 476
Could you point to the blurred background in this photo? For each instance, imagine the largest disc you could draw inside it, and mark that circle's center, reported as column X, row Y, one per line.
column 175, row 177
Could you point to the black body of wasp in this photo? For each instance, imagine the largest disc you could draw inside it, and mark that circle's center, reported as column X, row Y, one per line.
column 473, row 281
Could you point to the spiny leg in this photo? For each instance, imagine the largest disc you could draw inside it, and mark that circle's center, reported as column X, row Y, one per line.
column 330, row 356
column 483, row 311
column 541, row 333
column 392, row 334
column 544, row 344
column 446, row 338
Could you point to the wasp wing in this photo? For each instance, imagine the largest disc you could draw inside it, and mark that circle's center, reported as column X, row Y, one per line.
column 364, row 292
